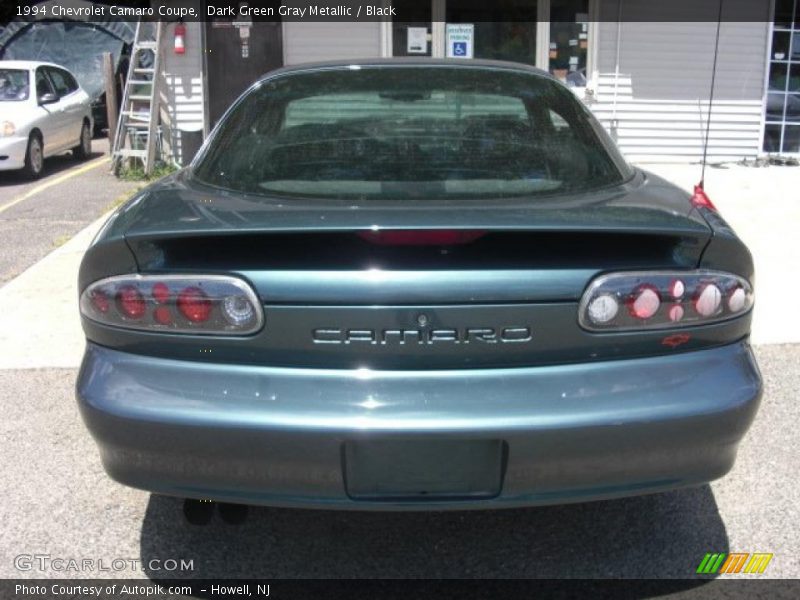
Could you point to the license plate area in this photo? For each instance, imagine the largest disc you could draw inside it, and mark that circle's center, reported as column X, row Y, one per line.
column 423, row 470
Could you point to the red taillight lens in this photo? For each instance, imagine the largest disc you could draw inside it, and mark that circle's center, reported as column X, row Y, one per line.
column 161, row 292
column 708, row 300
column 210, row 304
column 194, row 304
column 130, row 302
column 421, row 237
column 700, row 198
column 644, row 302
column 675, row 313
column 663, row 299
column 100, row 301
column 676, row 289
column 162, row 315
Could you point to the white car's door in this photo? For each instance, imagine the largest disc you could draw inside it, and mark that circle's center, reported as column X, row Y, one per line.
column 71, row 100
column 52, row 120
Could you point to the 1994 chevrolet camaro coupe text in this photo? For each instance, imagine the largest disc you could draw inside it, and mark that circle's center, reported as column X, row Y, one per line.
column 415, row 284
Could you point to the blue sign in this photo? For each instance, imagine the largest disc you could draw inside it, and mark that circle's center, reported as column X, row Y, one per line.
column 460, row 38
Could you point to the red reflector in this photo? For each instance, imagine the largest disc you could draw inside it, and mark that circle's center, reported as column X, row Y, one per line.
column 160, row 292
column 130, row 302
column 700, row 198
column 194, row 304
column 421, row 237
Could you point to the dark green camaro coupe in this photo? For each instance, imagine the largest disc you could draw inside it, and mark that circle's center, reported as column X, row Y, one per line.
column 415, row 284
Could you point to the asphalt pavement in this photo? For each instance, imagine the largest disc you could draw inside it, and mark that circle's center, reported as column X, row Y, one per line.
column 38, row 216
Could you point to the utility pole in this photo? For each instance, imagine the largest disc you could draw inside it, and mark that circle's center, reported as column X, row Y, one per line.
column 111, row 96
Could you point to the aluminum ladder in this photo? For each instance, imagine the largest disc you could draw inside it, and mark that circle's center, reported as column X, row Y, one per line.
column 137, row 125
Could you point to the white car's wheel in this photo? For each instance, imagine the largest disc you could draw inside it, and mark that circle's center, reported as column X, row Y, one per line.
column 34, row 157
column 84, row 150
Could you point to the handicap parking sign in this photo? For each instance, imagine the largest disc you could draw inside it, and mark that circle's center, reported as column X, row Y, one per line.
column 460, row 37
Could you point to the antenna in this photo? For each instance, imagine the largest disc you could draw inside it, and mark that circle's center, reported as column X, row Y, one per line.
column 701, row 185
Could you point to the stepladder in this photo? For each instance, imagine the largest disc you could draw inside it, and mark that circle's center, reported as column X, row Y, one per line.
column 137, row 135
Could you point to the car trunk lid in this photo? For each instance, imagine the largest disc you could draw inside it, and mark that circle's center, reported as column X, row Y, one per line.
column 502, row 291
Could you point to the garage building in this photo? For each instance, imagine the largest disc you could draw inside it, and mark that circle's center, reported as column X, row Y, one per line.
column 643, row 67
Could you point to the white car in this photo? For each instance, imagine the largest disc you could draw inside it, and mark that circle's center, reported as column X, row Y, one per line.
column 43, row 111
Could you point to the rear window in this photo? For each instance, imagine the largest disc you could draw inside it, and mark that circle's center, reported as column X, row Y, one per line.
column 14, row 85
column 391, row 133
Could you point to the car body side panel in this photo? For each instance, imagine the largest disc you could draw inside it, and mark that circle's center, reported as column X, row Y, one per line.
column 725, row 250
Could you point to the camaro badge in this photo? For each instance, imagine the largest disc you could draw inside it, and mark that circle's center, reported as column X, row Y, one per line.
column 481, row 335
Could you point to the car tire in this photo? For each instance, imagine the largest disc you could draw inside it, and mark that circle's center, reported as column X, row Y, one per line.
column 34, row 157
column 84, row 149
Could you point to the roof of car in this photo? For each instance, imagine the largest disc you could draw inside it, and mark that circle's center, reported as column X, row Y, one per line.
column 410, row 61
column 26, row 64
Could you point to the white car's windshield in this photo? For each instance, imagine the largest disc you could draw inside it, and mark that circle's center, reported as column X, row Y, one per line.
column 14, row 85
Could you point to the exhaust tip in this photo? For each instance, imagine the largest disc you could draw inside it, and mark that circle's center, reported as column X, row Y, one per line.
column 198, row 512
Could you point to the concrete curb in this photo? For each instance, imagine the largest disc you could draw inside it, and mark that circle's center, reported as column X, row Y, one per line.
column 39, row 324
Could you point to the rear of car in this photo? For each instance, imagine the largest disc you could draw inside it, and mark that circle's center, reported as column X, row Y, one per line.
column 415, row 284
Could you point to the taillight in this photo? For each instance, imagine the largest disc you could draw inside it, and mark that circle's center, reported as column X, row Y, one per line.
column 708, row 300
column 130, row 302
column 205, row 305
column 663, row 299
column 421, row 237
column 644, row 302
column 194, row 304
column 99, row 301
column 700, row 199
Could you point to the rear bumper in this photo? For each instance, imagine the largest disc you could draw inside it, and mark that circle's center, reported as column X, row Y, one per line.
column 281, row 436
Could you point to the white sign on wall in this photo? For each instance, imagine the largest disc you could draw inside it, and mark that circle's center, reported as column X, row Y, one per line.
column 460, row 39
column 417, row 41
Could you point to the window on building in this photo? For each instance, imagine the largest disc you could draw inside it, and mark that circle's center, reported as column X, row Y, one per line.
column 510, row 30
column 504, row 30
column 569, row 41
column 782, row 127
column 412, row 37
